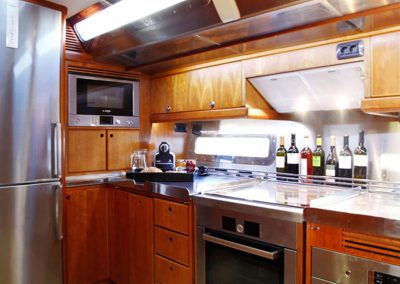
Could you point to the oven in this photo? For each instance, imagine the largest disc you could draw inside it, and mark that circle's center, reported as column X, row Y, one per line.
column 101, row 101
column 243, row 244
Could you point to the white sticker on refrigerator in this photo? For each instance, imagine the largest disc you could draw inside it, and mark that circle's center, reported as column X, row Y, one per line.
column 12, row 24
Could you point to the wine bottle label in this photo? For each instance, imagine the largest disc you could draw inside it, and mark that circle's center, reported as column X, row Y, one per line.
column 345, row 162
column 303, row 167
column 330, row 171
column 316, row 161
column 293, row 158
column 280, row 162
column 360, row 160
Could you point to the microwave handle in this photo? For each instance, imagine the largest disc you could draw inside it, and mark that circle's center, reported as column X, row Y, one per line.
column 236, row 246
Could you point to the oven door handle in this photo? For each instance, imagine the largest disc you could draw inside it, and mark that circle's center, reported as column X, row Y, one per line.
column 262, row 253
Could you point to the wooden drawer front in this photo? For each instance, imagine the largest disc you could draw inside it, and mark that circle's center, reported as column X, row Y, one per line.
column 171, row 272
column 171, row 215
column 172, row 245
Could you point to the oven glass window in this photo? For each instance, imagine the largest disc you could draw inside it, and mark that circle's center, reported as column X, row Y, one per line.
column 97, row 97
column 225, row 265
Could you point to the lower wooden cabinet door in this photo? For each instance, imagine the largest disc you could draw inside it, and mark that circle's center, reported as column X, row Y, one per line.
column 141, row 239
column 85, row 237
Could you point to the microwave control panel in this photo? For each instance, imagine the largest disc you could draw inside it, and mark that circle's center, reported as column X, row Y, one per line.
column 103, row 120
column 382, row 278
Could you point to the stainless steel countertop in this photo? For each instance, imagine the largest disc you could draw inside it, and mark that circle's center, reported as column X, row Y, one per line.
column 376, row 213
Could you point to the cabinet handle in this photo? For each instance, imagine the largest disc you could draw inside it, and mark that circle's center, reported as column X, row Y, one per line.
column 170, row 268
column 101, row 135
column 169, row 208
column 170, row 239
column 168, row 108
column 212, row 104
column 111, row 135
column 68, row 197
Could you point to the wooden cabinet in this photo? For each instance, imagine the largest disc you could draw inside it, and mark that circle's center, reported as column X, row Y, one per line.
column 385, row 65
column 130, row 237
column 216, row 87
column 121, row 143
column 86, row 242
column 93, row 150
column 86, row 150
column 173, row 242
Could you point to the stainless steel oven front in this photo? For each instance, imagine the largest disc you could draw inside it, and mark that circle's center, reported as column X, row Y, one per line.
column 240, row 246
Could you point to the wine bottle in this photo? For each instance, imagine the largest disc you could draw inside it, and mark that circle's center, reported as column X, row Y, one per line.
column 318, row 163
column 281, row 159
column 293, row 158
column 345, row 160
column 360, row 159
column 332, row 163
column 306, row 161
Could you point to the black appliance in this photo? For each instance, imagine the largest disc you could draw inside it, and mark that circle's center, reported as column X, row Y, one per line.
column 164, row 159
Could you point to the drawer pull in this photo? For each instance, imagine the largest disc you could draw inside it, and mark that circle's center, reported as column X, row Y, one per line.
column 170, row 268
column 169, row 208
column 170, row 239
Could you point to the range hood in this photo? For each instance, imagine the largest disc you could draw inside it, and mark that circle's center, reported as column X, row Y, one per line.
column 198, row 26
column 321, row 89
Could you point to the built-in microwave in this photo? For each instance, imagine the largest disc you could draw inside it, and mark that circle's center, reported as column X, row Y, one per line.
column 100, row 101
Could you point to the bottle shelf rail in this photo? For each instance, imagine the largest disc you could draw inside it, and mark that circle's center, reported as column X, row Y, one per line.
column 360, row 184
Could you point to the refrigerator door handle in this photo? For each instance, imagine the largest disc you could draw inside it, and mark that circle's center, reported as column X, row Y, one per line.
column 58, row 212
column 56, row 150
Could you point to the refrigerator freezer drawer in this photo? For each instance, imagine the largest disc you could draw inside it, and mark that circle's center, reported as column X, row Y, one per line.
column 30, row 234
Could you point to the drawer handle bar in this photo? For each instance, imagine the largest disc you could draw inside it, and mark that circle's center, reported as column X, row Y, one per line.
column 262, row 253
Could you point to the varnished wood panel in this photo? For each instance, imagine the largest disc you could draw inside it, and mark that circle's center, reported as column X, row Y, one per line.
column 118, row 233
column 141, row 235
column 120, row 145
column 86, row 150
column 172, row 245
column 171, row 215
column 169, row 272
column 385, row 65
column 381, row 105
column 86, row 240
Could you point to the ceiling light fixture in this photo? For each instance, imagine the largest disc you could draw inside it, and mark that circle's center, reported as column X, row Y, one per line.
column 118, row 15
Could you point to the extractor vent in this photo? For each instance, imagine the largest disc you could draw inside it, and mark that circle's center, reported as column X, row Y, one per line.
column 376, row 247
column 72, row 42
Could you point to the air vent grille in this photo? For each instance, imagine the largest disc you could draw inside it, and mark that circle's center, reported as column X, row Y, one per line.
column 72, row 41
column 373, row 246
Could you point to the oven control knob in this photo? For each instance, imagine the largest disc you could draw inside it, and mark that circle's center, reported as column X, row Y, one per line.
column 117, row 121
column 239, row 228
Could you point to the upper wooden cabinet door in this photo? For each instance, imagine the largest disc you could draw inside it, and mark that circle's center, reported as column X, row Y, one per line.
column 216, row 87
column 169, row 94
column 121, row 143
column 385, row 65
column 86, row 150
column 86, row 241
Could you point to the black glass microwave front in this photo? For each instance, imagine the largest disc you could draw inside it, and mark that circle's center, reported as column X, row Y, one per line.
column 99, row 97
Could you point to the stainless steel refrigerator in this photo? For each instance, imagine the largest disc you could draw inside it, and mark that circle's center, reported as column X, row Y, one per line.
column 30, row 172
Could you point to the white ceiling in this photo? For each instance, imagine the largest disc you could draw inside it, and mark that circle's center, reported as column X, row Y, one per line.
column 75, row 6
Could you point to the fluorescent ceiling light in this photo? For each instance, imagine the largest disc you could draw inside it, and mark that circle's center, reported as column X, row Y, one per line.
column 118, row 15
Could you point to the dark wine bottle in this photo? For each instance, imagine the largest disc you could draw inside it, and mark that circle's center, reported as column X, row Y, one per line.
column 360, row 159
column 281, row 159
column 332, row 163
column 318, row 160
column 293, row 158
column 306, row 161
column 345, row 160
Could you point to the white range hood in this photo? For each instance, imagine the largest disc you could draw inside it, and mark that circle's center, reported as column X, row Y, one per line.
column 321, row 89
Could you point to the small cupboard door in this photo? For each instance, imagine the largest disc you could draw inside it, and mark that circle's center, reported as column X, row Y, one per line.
column 86, row 241
column 86, row 150
column 120, row 145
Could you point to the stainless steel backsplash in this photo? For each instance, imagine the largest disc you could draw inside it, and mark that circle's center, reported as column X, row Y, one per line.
column 382, row 138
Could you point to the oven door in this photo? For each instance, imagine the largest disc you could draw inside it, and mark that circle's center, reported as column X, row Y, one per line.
column 225, row 258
